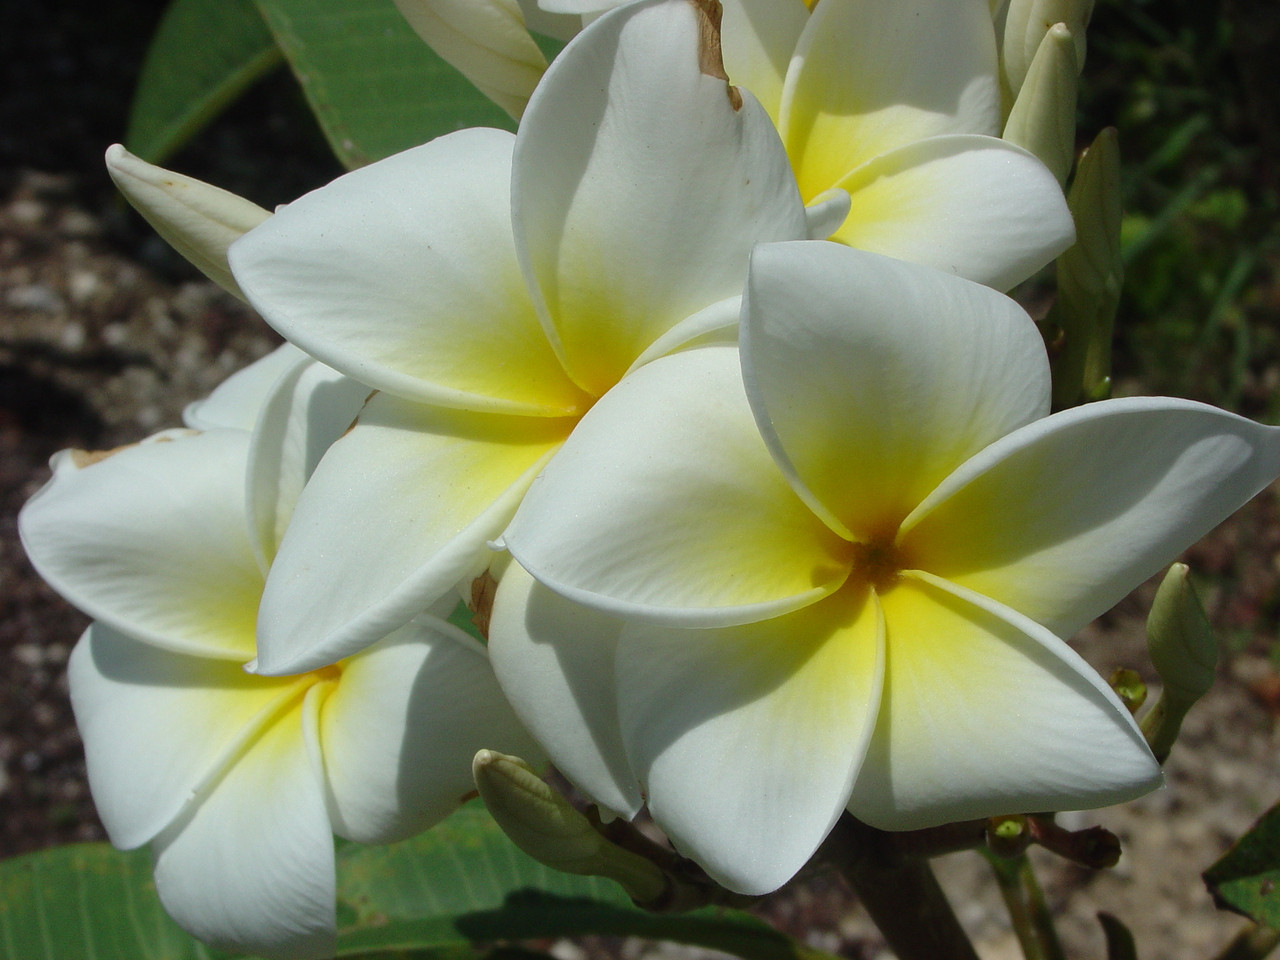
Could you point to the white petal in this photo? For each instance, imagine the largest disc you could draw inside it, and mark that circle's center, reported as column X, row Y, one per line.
column 198, row 220
column 985, row 713
column 748, row 739
column 665, row 504
column 872, row 379
column 252, row 869
column 1063, row 518
column 304, row 414
column 236, row 401
column 486, row 41
column 977, row 207
column 758, row 38
column 153, row 541
column 401, row 727
column 398, row 511
column 402, row 275
column 639, row 187
column 870, row 77
column 157, row 726
column 827, row 212
column 555, row 661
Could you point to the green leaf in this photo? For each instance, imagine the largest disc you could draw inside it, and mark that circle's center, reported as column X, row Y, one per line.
column 1247, row 878
column 1120, row 942
column 439, row 896
column 87, row 901
column 373, row 85
column 203, row 55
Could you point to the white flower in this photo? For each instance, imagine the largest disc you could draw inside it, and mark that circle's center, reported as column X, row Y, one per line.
column 846, row 584
column 238, row 782
column 492, row 288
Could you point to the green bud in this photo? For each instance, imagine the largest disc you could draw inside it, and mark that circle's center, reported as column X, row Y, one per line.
column 198, row 220
column 1090, row 275
column 1043, row 118
column 548, row 828
column 1021, row 27
column 1185, row 654
column 1129, row 688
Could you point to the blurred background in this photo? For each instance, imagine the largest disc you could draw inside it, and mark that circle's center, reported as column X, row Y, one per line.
column 105, row 334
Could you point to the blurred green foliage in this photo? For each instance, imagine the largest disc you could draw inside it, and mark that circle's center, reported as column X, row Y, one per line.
column 1190, row 85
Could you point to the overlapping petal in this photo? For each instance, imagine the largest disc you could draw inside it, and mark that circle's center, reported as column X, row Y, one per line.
column 555, row 661
column 663, row 487
column 251, row 867
column 872, row 379
column 752, row 732
column 400, row 728
column 1062, row 518
column 984, row 711
column 977, row 207
column 158, row 727
column 402, row 275
column 398, row 511
column 641, row 181
column 758, row 38
column 118, row 538
column 236, row 402
column 871, row 77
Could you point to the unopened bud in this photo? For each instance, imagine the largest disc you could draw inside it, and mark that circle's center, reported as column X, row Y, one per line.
column 548, row 828
column 197, row 219
column 1185, row 654
column 1022, row 27
column 1043, row 118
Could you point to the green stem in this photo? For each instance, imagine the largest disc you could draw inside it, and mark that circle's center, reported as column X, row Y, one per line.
column 1032, row 921
column 1251, row 943
column 900, row 893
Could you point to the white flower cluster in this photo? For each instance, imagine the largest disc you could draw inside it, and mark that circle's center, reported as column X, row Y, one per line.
column 790, row 530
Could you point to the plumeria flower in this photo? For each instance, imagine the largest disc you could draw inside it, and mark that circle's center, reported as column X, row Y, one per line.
column 238, row 782
column 838, row 572
column 492, row 288
column 890, row 112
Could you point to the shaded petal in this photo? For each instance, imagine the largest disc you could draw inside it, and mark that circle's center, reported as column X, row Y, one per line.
column 977, row 207
column 639, row 188
column 758, row 38
column 555, row 661
column 252, row 868
column 486, row 41
column 717, row 323
column 872, row 379
column 400, row 728
column 158, row 726
column 397, row 513
column 1063, row 518
column 870, row 77
column 665, row 504
column 152, row 540
column 304, row 414
column 402, row 275
column 984, row 713
column 748, row 739
column 236, row 402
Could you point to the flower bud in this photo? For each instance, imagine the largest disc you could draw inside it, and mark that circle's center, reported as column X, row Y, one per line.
column 198, row 220
column 1185, row 655
column 1043, row 118
column 1022, row 27
column 486, row 41
column 545, row 826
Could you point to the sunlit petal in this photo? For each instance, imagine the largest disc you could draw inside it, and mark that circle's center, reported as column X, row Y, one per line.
column 748, row 739
column 640, row 185
column 985, row 712
column 402, row 275
column 118, row 538
column 759, row 37
column 1063, row 518
column 664, row 486
column 872, row 379
column 398, row 511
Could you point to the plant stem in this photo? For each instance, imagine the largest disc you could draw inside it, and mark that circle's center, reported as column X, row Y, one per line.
column 1251, row 943
column 1032, row 921
column 900, row 893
